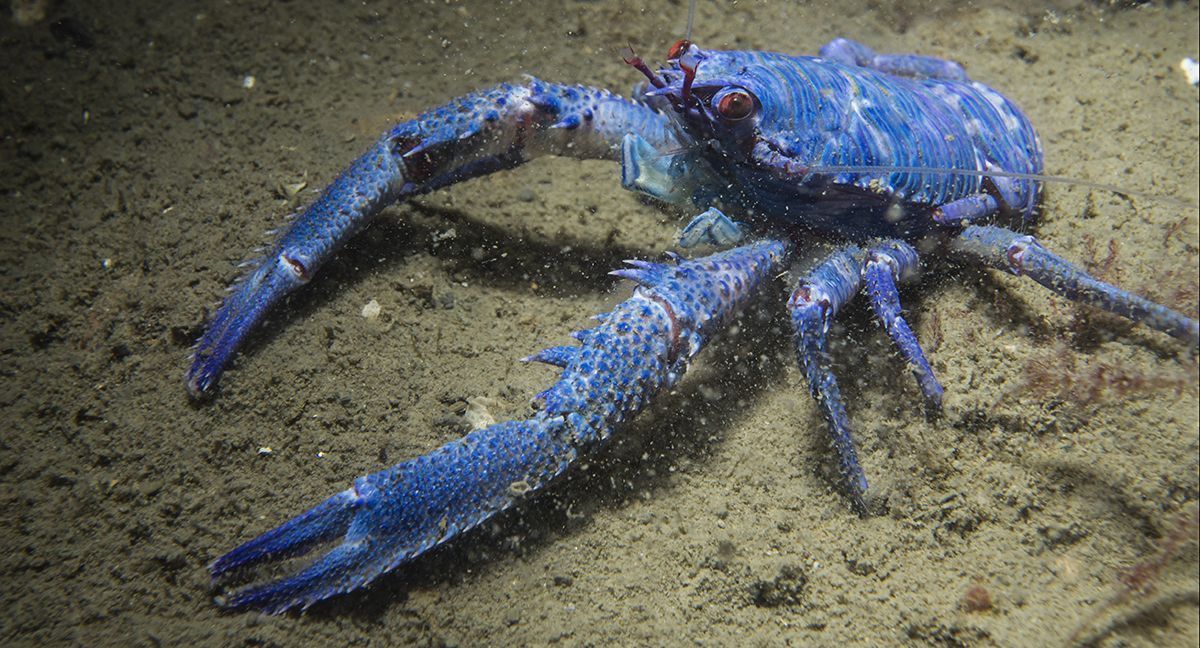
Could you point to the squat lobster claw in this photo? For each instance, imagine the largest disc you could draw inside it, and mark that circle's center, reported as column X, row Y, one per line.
column 393, row 516
column 472, row 136
column 886, row 154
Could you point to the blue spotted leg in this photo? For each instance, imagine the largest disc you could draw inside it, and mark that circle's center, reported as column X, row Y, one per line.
column 390, row 517
column 818, row 297
column 471, row 136
column 886, row 264
column 914, row 66
column 1021, row 254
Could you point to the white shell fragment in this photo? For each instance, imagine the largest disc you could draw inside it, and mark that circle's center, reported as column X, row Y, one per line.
column 478, row 414
column 293, row 189
column 371, row 310
column 1192, row 69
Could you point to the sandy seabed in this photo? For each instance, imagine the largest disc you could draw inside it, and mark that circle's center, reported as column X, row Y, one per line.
column 139, row 165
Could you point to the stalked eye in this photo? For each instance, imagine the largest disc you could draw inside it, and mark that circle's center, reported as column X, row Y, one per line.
column 678, row 49
column 733, row 103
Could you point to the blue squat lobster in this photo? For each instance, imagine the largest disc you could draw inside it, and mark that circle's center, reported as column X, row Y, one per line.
column 881, row 153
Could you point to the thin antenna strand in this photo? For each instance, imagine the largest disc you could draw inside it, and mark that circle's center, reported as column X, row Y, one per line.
column 691, row 20
column 1005, row 174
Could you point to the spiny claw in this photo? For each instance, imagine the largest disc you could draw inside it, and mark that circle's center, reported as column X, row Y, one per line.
column 394, row 515
column 345, row 568
column 236, row 317
column 342, row 209
column 391, row 517
column 645, row 273
column 474, row 135
column 324, row 522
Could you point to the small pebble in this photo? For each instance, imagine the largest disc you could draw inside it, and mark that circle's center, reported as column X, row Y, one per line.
column 29, row 12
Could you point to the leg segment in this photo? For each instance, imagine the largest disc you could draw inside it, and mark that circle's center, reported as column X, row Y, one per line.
column 966, row 210
column 813, row 304
column 906, row 65
column 475, row 135
column 1019, row 254
column 886, row 264
column 1004, row 193
column 712, row 227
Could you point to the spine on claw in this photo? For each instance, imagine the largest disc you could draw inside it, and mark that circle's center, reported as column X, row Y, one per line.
column 392, row 516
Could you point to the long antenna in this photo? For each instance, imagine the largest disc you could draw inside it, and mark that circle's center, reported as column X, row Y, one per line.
column 1102, row 186
column 691, row 19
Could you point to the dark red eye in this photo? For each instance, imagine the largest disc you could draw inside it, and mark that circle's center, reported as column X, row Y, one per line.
column 734, row 104
column 678, row 49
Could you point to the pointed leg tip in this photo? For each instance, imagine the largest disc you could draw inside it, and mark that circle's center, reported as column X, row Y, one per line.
column 199, row 387
column 933, row 391
column 858, row 504
column 934, row 402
